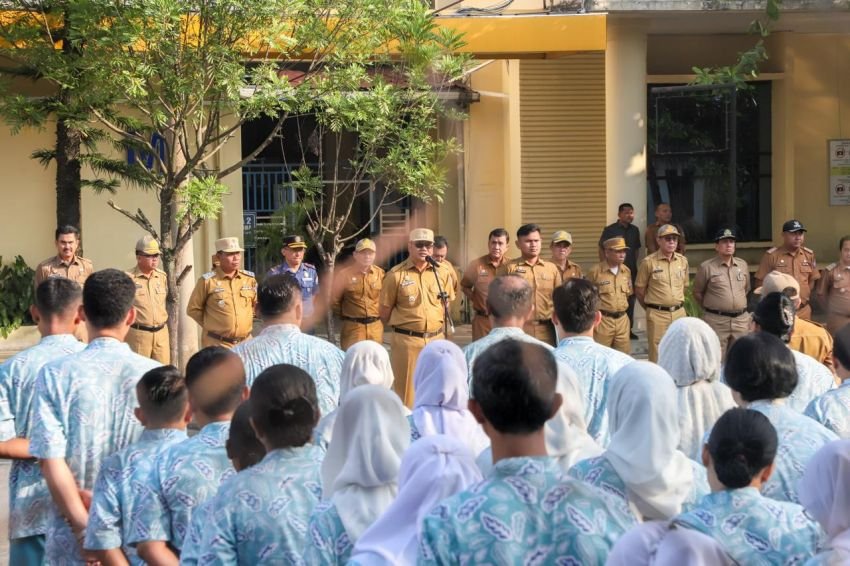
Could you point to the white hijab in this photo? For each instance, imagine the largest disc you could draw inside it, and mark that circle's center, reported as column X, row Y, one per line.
column 567, row 439
column 655, row 543
column 442, row 392
column 365, row 362
column 360, row 470
column 433, row 468
column 690, row 352
column 644, row 439
column 824, row 490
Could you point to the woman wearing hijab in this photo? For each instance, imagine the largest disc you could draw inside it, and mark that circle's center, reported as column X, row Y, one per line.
column 761, row 372
column 825, row 493
column 432, row 469
column 359, row 473
column 442, row 392
column 642, row 464
column 690, row 352
column 365, row 363
column 832, row 409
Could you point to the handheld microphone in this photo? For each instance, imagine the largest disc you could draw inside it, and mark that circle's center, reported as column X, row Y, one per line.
column 431, row 261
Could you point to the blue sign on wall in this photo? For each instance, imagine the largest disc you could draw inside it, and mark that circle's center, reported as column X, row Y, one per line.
column 144, row 158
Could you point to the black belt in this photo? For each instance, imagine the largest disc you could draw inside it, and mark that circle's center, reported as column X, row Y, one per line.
column 365, row 320
column 415, row 334
column 227, row 339
column 480, row 313
column 611, row 314
column 137, row 326
column 663, row 308
column 730, row 314
column 542, row 321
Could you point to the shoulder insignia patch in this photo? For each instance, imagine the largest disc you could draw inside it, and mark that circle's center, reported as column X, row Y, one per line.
column 805, row 249
column 246, row 272
column 310, row 265
column 831, row 266
column 771, row 250
column 208, row 275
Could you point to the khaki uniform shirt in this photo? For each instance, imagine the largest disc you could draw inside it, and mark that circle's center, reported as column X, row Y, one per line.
column 571, row 271
column 543, row 277
column 151, row 292
column 664, row 279
column 723, row 287
column 651, row 241
column 478, row 276
column 800, row 265
column 413, row 296
column 224, row 305
column 835, row 287
column 614, row 288
column 77, row 270
column 813, row 340
column 360, row 292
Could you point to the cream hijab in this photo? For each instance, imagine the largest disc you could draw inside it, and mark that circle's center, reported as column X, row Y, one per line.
column 360, row 470
column 644, row 439
column 690, row 352
column 824, row 490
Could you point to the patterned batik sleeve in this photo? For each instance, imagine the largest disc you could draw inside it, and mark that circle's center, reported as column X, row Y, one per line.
column 48, row 439
column 327, row 541
column 435, row 544
column 7, row 415
column 218, row 542
column 152, row 520
column 105, row 518
column 192, row 541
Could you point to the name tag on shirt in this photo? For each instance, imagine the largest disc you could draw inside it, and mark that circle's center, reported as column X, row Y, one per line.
column 406, row 282
column 218, row 290
column 520, row 270
column 604, row 283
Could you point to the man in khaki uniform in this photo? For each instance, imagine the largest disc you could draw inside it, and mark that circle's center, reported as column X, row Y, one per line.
column 476, row 280
column 834, row 289
column 720, row 287
column 148, row 335
column 223, row 300
column 411, row 304
column 543, row 276
column 613, row 280
column 807, row 337
column 357, row 293
column 561, row 248
column 440, row 255
column 660, row 287
column 795, row 260
column 663, row 215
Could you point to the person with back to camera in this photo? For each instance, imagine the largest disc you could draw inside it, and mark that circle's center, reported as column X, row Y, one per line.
column 832, row 409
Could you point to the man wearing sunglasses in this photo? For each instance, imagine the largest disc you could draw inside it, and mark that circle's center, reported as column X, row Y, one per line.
column 412, row 304
column 148, row 335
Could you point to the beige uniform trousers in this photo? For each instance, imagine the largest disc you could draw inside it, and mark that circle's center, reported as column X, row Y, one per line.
column 153, row 345
column 481, row 326
column 728, row 328
column 657, row 323
column 352, row 332
column 404, row 351
column 614, row 333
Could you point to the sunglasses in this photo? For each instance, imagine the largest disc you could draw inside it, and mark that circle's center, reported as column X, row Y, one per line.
column 424, row 244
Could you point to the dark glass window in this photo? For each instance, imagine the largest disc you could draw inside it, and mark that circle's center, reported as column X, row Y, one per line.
column 709, row 157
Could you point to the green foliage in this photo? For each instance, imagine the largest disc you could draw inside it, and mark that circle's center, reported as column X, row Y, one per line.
column 692, row 307
column 16, row 295
column 201, row 198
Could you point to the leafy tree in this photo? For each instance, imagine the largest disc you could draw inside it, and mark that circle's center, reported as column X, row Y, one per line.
column 189, row 74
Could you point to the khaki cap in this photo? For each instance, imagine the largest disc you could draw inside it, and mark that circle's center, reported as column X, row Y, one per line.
column 615, row 244
column 776, row 282
column 365, row 244
column 422, row 235
column 148, row 245
column 562, row 236
column 668, row 230
column 227, row 245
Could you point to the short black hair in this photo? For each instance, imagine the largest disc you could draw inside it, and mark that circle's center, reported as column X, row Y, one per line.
column 223, row 396
column 623, row 206
column 504, row 299
column 162, row 394
column 660, row 204
column 527, row 229
column 760, row 366
column 576, row 304
column 242, row 444
column 515, row 382
column 440, row 242
column 742, row 443
column 56, row 295
column 842, row 240
column 108, row 296
column 499, row 233
column 277, row 294
column 66, row 229
column 775, row 314
column 841, row 346
column 284, row 406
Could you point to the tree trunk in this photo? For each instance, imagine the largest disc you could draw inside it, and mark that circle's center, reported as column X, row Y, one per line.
column 68, row 205
column 328, row 298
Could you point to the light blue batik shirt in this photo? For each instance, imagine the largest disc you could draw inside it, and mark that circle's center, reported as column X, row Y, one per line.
column 83, row 412
column 600, row 473
column 813, row 380
column 264, row 516
column 497, row 334
column 799, row 438
column 594, row 365
column 184, row 476
column 124, row 477
column 200, row 517
column 753, row 529
column 327, row 540
column 526, row 512
column 29, row 499
column 832, row 410
column 286, row 344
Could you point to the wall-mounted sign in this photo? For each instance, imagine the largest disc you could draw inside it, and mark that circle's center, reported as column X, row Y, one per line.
column 839, row 172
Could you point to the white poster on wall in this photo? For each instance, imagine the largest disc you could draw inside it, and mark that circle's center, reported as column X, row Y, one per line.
column 839, row 172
